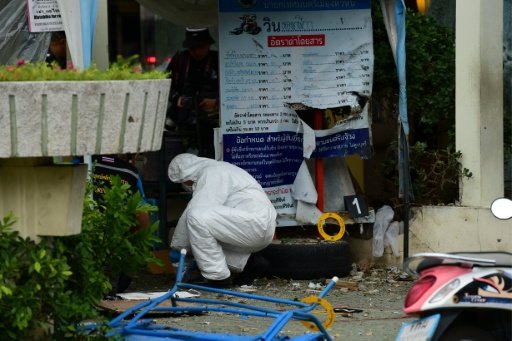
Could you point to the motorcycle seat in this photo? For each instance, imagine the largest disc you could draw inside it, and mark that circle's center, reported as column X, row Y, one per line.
column 501, row 258
column 421, row 261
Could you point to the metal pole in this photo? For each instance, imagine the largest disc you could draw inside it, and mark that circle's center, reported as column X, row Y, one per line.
column 406, row 182
column 319, row 167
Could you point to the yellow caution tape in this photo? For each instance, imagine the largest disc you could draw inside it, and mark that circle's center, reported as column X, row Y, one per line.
column 336, row 217
column 328, row 309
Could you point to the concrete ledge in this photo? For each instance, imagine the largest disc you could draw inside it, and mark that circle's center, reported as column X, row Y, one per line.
column 456, row 228
column 442, row 229
column 81, row 117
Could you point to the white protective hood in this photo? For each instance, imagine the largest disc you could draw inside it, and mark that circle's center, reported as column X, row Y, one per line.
column 218, row 183
column 185, row 167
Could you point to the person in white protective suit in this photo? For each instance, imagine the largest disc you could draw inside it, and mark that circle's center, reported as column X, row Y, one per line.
column 228, row 218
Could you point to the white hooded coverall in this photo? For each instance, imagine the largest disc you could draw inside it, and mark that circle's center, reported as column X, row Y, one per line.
column 228, row 218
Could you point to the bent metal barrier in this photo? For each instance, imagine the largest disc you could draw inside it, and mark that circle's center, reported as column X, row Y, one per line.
column 138, row 328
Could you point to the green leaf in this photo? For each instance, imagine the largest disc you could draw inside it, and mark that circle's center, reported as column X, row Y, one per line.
column 37, row 267
column 6, row 290
column 43, row 72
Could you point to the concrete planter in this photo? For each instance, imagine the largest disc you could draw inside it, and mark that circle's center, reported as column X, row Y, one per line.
column 46, row 200
column 43, row 119
column 81, row 117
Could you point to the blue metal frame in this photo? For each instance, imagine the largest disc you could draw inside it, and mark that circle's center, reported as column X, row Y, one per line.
column 138, row 328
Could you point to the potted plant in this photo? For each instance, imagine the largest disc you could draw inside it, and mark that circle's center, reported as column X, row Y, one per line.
column 46, row 111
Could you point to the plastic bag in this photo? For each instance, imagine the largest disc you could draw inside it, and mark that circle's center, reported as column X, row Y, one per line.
column 391, row 236
column 16, row 42
column 383, row 218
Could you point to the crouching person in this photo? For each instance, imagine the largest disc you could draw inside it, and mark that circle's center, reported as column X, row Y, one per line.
column 228, row 218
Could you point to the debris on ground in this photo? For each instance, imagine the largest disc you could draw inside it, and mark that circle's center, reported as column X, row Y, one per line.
column 348, row 285
column 366, row 303
column 248, row 288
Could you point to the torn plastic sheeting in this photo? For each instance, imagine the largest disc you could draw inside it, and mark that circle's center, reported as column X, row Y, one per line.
column 337, row 184
column 304, row 192
column 16, row 42
column 303, row 188
column 391, row 237
column 308, row 139
column 307, row 213
column 155, row 294
column 394, row 20
column 383, row 218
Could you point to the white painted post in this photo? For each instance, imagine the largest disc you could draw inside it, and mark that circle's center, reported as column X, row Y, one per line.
column 479, row 99
column 100, row 48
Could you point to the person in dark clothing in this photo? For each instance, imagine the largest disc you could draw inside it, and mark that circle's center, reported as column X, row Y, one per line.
column 57, row 51
column 194, row 98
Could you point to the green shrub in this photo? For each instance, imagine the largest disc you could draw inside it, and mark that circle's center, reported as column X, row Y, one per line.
column 33, row 283
column 431, row 79
column 108, row 239
column 123, row 69
column 435, row 173
column 48, row 288
column 430, row 70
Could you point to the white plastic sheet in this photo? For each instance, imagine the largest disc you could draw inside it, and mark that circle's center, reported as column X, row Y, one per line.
column 391, row 237
column 16, row 42
column 383, row 218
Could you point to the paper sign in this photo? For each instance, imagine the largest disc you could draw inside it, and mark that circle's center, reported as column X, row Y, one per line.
column 356, row 206
column 44, row 16
column 277, row 56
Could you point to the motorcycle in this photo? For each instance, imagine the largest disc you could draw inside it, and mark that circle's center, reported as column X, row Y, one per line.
column 459, row 296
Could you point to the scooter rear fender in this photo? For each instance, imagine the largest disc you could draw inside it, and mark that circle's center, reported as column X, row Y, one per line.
column 475, row 288
column 443, row 275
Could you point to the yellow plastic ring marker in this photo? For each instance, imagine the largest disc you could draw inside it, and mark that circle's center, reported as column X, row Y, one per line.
column 336, row 217
column 328, row 309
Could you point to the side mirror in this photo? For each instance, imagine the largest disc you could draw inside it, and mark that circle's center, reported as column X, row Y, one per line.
column 502, row 208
